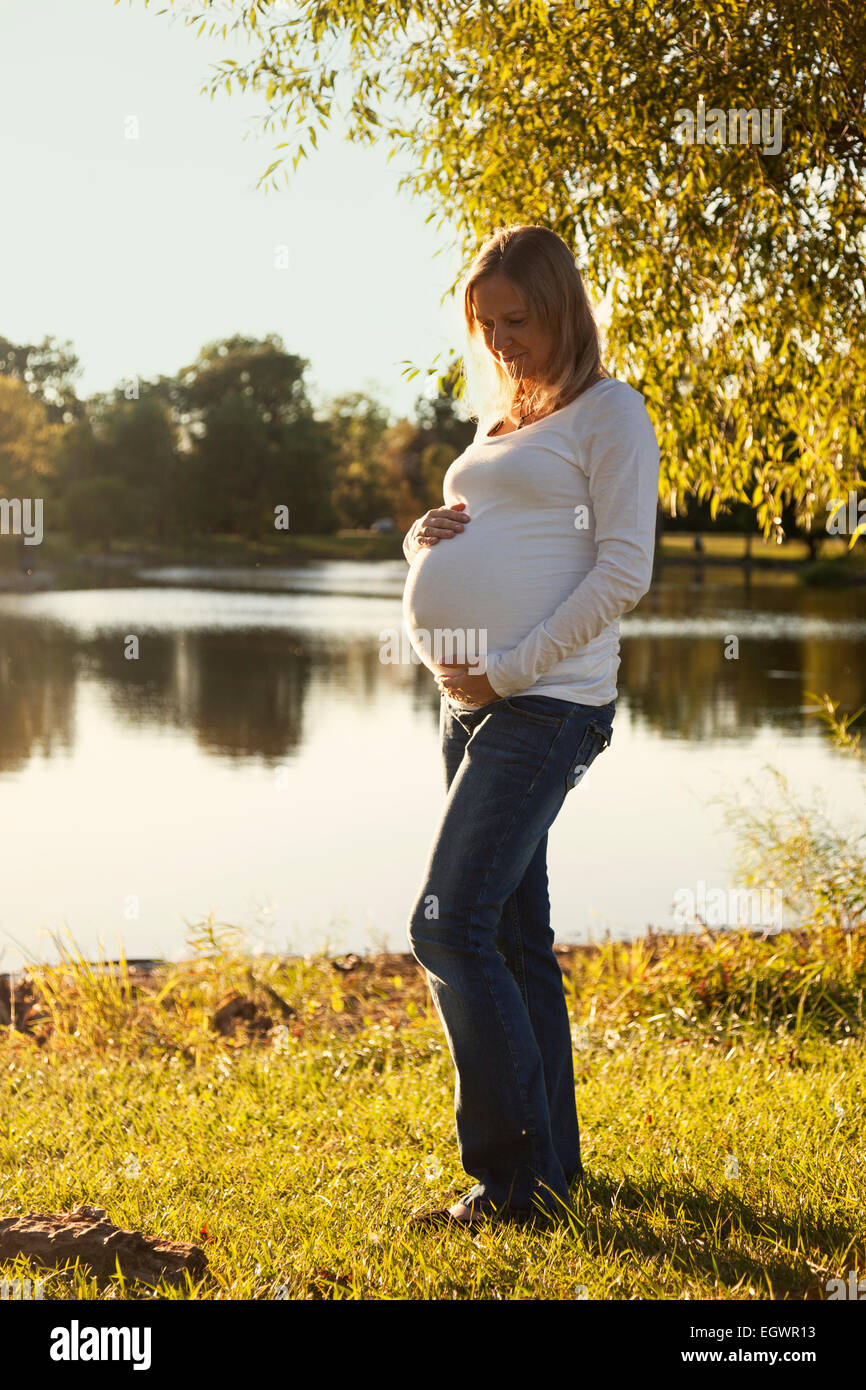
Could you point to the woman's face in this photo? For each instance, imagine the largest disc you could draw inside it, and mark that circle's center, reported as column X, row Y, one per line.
column 510, row 327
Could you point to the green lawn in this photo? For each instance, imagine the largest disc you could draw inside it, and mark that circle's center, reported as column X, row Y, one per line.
column 719, row 1086
column 732, row 545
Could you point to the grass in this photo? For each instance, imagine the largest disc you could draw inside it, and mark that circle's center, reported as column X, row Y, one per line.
column 64, row 551
column 836, row 567
column 733, row 545
column 719, row 1081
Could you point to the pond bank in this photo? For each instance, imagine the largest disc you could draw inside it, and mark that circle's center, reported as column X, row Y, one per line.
column 59, row 565
column 290, row 1119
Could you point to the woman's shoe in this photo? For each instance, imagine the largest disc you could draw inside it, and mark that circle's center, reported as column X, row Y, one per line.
column 458, row 1215
column 471, row 1214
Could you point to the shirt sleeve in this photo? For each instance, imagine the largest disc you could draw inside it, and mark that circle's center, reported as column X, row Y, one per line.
column 620, row 456
column 407, row 552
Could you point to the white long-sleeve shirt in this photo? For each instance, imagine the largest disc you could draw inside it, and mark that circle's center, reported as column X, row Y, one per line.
column 559, row 545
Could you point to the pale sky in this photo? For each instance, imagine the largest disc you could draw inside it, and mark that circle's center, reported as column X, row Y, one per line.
column 141, row 250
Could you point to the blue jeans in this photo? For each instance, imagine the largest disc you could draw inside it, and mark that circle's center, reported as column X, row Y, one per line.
column 481, row 930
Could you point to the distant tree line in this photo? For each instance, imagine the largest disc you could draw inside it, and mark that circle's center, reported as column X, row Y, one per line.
column 215, row 448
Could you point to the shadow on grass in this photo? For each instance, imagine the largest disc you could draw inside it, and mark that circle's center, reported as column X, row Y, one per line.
column 717, row 1237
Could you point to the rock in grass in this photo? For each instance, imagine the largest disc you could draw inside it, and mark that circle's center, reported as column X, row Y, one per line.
column 88, row 1236
column 234, row 1009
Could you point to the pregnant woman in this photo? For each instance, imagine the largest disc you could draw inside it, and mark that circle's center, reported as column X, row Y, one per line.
column 549, row 520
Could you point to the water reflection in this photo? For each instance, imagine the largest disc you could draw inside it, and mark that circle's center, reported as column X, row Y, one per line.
column 233, row 669
column 259, row 750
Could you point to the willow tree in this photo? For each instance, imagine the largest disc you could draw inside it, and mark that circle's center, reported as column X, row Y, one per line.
column 705, row 163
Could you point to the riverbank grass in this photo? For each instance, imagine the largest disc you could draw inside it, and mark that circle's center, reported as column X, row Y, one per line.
column 290, row 1115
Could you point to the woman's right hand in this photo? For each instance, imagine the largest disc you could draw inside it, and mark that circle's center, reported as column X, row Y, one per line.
column 440, row 524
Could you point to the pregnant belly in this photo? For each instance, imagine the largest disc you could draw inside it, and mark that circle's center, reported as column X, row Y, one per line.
column 486, row 595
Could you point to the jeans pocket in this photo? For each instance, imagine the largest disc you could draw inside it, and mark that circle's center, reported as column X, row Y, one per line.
column 538, row 709
column 596, row 738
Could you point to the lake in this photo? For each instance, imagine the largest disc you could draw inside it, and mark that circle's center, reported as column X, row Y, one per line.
column 259, row 763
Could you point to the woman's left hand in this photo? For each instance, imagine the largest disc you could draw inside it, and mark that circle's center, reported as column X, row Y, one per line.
column 475, row 688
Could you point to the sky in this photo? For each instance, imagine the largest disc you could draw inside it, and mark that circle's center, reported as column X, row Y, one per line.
column 139, row 251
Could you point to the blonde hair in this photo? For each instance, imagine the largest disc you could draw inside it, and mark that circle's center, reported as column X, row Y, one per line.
column 543, row 270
